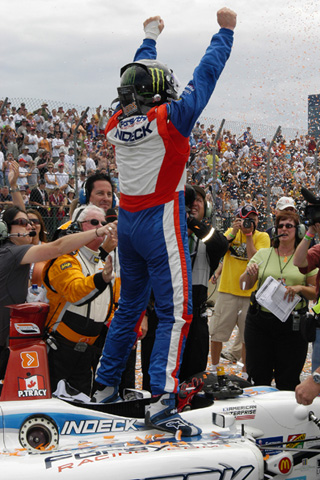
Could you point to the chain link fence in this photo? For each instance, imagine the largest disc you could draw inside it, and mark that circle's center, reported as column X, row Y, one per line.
column 55, row 216
column 258, row 130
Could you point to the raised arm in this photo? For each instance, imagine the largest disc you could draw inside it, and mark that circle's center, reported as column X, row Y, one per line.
column 300, row 256
column 197, row 93
column 62, row 246
column 153, row 26
column 13, row 175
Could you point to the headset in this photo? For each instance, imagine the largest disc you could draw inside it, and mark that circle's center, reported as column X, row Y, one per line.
column 75, row 226
column 4, row 232
column 300, row 232
column 208, row 207
column 300, row 228
column 82, row 196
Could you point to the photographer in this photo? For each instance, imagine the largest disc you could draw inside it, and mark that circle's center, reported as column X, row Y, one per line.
column 207, row 246
column 232, row 302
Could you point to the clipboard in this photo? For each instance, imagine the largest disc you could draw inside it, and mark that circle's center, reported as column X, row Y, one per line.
column 271, row 296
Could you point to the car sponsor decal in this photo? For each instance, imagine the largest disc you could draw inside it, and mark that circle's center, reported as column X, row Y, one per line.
column 285, row 465
column 267, row 441
column 242, row 412
column 93, row 426
column 32, row 387
column 29, row 359
column 296, row 441
column 27, row 328
column 70, row 460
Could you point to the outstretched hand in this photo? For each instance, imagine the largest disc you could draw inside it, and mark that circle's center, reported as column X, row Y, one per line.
column 227, row 18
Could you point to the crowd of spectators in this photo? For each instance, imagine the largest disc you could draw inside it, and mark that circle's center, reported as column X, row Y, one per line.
column 42, row 142
column 241, row 169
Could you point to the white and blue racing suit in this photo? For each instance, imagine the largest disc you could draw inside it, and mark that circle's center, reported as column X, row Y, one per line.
column 151, row 154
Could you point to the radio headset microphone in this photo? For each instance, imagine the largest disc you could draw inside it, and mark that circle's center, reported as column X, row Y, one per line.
column 111, row 215
column 277, row 236
column 33, row 233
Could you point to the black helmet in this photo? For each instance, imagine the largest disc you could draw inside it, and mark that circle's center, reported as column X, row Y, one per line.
column 154, row 82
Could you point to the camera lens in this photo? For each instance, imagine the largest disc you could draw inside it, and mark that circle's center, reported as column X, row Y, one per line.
column 247, row 222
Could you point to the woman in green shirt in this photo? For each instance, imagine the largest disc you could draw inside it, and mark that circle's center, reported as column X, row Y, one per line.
column 277, row 349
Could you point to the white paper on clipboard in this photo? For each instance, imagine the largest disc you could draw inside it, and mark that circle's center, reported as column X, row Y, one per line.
column 271, row 296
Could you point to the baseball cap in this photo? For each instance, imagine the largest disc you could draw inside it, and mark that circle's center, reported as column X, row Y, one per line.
column 285, row 202
column 23, row 160
column 246, row 210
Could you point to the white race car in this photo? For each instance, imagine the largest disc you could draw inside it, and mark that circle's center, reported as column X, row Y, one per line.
column 262, row 433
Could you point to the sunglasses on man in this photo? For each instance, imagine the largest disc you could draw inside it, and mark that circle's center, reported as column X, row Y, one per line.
column 95, row 222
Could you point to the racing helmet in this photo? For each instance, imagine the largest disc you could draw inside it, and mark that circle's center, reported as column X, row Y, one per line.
column 154, row 83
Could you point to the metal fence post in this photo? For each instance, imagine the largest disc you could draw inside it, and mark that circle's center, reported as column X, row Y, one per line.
column 3, row 105
column 214, row 173
column 269, row 223
column 76, row 150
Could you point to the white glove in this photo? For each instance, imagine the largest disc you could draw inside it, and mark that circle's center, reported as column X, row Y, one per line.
column 152, row 30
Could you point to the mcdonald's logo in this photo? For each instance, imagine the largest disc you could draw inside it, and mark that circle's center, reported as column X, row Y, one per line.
column 285, row 465
column 29, row 359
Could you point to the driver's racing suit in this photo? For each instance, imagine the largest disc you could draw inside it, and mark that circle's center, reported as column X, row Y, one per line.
column 151, row 152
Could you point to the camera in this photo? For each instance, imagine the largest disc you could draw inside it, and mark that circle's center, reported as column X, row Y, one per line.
column 311, row 212
column 248, row 222
column 190, row 196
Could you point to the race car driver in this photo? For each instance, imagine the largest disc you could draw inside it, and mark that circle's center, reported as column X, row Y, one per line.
column 150, row 135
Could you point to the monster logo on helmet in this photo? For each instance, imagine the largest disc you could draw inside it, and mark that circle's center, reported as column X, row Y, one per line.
column 145, row 84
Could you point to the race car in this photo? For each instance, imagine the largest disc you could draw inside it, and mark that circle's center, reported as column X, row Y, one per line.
column 261, row 433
